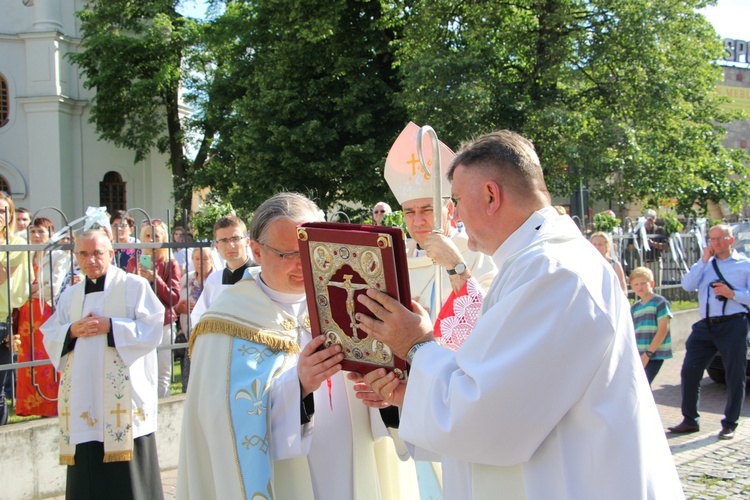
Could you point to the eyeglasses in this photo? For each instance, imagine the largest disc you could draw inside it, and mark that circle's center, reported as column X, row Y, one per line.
column 226, row 241
column 378, row 211
column 82, row 254
column 283, row 255
column 719, row 239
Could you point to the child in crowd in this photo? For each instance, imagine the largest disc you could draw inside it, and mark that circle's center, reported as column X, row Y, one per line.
column 651, row 315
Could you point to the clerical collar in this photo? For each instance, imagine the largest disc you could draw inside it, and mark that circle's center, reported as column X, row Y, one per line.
column 230, row 277
column 95, row 285
column 293, row 303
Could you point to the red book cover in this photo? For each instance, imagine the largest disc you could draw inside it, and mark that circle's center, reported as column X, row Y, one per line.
column 340, row 262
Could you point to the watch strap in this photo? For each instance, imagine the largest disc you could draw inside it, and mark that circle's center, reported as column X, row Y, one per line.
column 459, row 269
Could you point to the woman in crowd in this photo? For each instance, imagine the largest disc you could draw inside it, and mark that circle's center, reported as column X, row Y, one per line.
column 164, row 274
column 14, row 290
column 603, row 242
column 37, row 386
column 190, row 290
column 122, row 232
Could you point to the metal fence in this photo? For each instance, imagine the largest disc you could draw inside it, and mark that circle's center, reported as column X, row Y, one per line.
column 668, row 266
column 62, row 244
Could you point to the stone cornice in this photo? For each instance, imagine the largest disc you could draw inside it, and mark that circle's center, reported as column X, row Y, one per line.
column 54, row 103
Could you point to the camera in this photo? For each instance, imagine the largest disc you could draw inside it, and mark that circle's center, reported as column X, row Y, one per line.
column 720, row 298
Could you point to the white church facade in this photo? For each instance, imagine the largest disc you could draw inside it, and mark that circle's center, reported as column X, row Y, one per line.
column 50, row 155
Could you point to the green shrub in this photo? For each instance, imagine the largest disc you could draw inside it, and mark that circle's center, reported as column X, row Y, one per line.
column 605, row 222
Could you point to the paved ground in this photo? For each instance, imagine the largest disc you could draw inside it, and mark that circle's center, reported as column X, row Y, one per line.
column 709, row 468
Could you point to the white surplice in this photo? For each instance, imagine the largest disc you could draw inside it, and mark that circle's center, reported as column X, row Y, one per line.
column 314, row 460
column 422, row 271
column 136, row 337
column 547, row 398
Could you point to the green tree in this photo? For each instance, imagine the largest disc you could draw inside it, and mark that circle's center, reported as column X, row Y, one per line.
column 133, row 55
column 617, row 94
column 317, row 113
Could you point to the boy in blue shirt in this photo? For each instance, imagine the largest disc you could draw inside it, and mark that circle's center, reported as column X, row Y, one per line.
column 651, row 315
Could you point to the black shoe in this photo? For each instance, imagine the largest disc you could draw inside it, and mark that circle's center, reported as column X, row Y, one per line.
column 684, row 428
column 726, row 433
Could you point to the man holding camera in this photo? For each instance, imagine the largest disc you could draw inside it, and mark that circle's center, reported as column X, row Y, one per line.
column 722, row 278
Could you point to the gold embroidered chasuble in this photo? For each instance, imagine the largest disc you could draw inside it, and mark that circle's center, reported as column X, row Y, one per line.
column 209, row 465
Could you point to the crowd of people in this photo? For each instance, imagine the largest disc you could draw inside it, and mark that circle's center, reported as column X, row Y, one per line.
column 527, row 358
column 38, row 277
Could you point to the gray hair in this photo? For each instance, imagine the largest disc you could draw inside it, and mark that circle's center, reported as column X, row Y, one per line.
column 93, row 233
column 292, row 206
column 723, row 227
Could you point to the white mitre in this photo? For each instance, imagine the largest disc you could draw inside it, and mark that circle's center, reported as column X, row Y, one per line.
column 403, row 172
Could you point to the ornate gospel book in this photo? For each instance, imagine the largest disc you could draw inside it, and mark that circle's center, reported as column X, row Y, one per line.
column 340, row 262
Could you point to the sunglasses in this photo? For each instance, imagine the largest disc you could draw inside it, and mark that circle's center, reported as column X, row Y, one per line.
column 154, row 222
column 378, row 211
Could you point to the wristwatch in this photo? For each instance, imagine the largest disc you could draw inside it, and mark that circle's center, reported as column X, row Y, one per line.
column 649, row 354
column 415, row 348
column 459, row 269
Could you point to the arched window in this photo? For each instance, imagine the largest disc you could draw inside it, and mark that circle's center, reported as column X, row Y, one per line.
column 112, row 192
column 4, row 184
column 4, row 101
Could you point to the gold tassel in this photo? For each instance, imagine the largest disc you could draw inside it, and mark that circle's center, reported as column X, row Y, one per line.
column 118, row 456
column 275, row 340
column 67, row 460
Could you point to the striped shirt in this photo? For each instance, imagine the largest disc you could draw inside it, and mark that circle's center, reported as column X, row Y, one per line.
column 646, row 319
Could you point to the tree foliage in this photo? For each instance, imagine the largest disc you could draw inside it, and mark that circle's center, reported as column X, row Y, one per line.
column 317, row 114
column 619, row 94
column 308, row 95
column 133, row 55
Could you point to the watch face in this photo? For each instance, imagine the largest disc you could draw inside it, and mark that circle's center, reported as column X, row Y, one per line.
column 460, row 268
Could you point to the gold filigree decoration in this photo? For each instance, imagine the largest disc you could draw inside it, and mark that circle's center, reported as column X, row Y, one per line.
column 365, row 262
column 301, row 234
column 384, row 241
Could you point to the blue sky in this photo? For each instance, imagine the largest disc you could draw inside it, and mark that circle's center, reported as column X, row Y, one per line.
column 731, row 18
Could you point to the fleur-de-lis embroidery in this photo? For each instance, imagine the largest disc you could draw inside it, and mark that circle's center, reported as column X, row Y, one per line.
column 255, row 395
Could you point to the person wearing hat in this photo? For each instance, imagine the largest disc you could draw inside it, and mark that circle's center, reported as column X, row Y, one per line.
column 465, row 272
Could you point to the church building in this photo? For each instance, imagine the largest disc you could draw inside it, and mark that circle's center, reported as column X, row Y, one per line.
column 50, row 155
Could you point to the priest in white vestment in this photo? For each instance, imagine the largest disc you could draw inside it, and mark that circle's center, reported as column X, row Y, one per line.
column 547, row 397
column 267, row 414
column 103, row 337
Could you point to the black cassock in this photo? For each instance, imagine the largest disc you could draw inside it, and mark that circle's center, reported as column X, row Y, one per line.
column 90, row 478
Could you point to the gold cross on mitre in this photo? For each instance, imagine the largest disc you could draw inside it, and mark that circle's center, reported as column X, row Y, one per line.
column 403, row 168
